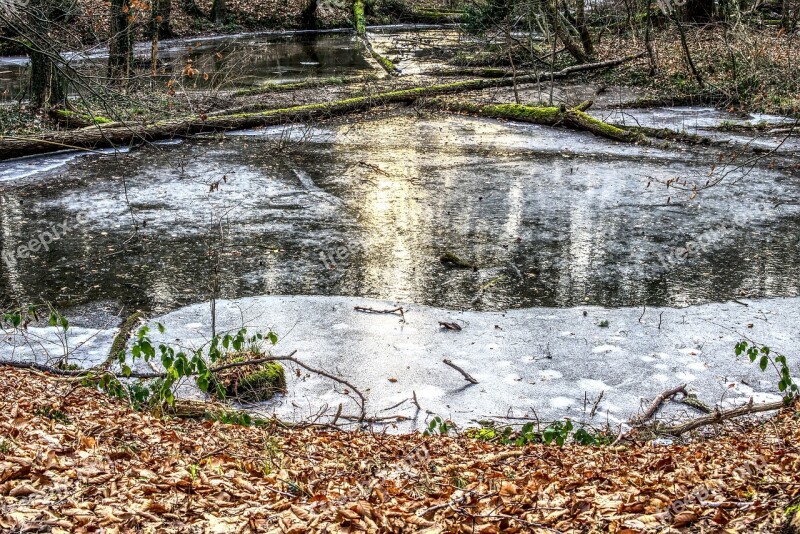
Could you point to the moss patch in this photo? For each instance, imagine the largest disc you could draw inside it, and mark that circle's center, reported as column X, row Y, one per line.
column 250, row 383
column 451, row 260
column 359, row 22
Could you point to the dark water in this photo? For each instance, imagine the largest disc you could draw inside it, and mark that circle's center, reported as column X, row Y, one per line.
column 233, row 61
column 550, row 218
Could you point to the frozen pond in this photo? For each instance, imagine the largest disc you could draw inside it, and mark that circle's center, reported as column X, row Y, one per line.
column 543, row 363
column 566, row 231
column 548, row 217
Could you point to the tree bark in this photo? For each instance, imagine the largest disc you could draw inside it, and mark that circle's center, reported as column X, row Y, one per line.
column 698, row 11
column 48, row 86
column 218, row 12
column 120, row 54
column 562, row 32
column 583, row 28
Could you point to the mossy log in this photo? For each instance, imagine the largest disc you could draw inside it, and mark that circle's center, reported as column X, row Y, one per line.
column 74, row 119
column 124, row 134
column 249, row 383
column 574, row 118
column 307, row 84
column 120, row 343
column 451, row 260
column 359, row 20
column 383, row 61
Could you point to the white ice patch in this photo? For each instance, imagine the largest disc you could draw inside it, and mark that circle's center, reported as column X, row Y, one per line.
column 596, row 386
column 605, row 348
column 549, row 374
column 560, row 403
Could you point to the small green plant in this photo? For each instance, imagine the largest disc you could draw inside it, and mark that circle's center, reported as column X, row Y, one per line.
column 54, row 414
column 585, row 437
column 158, row 393
column 763, row 354
column 482, row 434
column 5, row 447
column 526, row 436
column 438, row 426
column 557, row 431
column 603, row 324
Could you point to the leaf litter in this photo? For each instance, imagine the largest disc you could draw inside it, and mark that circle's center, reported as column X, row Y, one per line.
column 105, row 467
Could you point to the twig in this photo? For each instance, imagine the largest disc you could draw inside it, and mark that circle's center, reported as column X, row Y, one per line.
column 338, row 414
column 372, row 310
column 465, row 374
column 656, row 404
column 596, row 404
column 416, row 402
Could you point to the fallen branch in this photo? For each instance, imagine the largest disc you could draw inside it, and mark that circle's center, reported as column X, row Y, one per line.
column 574, row 119
column 718, row 416
column 656, row 404
column 364, row 309
column 465, row 374
column 124, row 134
column 145, row 376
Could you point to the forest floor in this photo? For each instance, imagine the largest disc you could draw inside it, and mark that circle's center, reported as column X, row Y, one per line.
column 74, row 460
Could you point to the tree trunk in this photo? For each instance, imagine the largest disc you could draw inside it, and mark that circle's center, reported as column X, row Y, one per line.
column 120, row 54
column 218, row 12
column 48, row 87
column 164, row 17
column 583, row 28
column 698, row 11
column 562, row 32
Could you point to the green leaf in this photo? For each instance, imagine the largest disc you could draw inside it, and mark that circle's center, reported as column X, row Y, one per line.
column 161, row 328
column 763, row 363
column 126, row 370
column 203, row 382
column 273, row 337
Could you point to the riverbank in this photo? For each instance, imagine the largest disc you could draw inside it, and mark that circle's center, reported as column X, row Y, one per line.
column 72, row 458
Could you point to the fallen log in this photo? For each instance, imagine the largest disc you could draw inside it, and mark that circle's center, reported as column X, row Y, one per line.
column 720, row 416
column 574, row 119
column 123, row 134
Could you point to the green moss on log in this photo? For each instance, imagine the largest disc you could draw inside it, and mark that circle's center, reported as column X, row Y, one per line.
column 385, row 62
column 359, row 21
column 250, row 383
column 309, row 84
column 120, row 343
column 80, row 118
column 451, row 260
